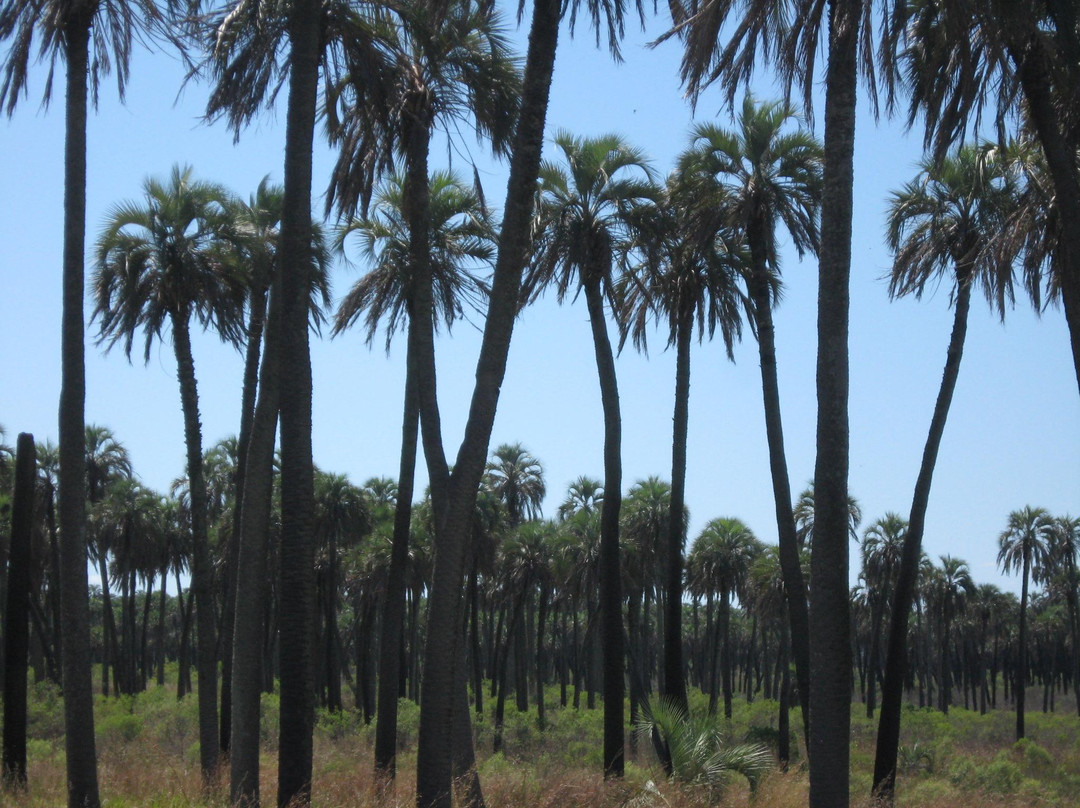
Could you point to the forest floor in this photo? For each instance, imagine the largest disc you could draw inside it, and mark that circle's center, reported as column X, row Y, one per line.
column 148, row 758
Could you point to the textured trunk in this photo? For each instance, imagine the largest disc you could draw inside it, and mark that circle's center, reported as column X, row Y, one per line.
column 81, row 755
column 108, row 620
column 434, row 771
column 610, row 571
column 17, row 616
column 674, row 681
column 201, row 568
column 790, row 568
column 541, row 659
column 160, row 633
column 1019, row 689
column 394, row 608
column 830, row 626
column 892, row 690
column 251, row 588
column 297, row 594
column 256, row 318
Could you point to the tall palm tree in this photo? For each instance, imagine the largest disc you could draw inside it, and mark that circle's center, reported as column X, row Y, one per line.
column 589, row 217
column 434, row 770
column 162, row 262
column 583, row 494
column 1027, row 51
column 1024, row 546
column 950, row 219
column 461, row 237
column 64, row 30
column 789, row 35
column 755, row 178
column 689, row 276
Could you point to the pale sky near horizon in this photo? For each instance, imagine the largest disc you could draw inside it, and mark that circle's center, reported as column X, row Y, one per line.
column 1013, row 436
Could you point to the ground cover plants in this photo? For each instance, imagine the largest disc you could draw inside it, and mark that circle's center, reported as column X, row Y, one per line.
column 148, row 755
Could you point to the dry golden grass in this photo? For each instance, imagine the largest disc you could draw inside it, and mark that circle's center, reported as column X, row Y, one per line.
column 148, row 758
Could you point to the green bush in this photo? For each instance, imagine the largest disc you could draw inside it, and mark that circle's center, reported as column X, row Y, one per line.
column 999, row 776
column 122, row 728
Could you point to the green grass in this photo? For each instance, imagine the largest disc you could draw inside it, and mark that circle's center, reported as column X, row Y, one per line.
column 148, row 756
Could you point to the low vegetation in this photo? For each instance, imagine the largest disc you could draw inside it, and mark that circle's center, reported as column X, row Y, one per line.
column 148, row 755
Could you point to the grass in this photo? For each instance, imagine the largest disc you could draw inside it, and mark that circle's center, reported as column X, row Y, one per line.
column 148, row 758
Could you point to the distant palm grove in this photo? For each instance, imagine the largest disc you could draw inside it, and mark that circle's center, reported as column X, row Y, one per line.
column 341, row 594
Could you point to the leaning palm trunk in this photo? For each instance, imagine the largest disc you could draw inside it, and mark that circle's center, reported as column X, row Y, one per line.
column 297, row 597
column 201, row 569
column 790, row 568
column 251, row 594
column 830, row 654
column 394, row 609
column 892, row 689
column 610, row 572
column 434, row 770
column 674, row 682
column 243, row 441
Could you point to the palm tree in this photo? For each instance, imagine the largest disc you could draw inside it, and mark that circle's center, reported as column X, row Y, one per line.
column 722, row 556
column 755, row 178
column 461, row 235
column 517, row 478
column 1030, row 52
column 588, row 219
column 434, row 770
column 65, row 33
column 882, row 546
column 1062, row 567
column 789, row 35
column 1024, row 545
column 689, row 276
column 162, row 262
column 952, row 216
column 583, row 494
column 106, row 461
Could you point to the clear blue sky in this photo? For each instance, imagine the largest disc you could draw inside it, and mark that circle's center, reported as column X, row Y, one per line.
column 1014, row 431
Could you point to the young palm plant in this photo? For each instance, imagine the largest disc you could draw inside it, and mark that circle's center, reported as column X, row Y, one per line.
column 699, row 753
column 589, row 218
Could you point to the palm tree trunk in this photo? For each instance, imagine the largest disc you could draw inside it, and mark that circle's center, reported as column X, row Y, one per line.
column 830, row 654
column 610, row 571
column 394, row 608
column 17, row 617
column 434, row 771
column 201, row 569
column 256, row 319
column 81, row 754
column 790, row 568
column 251, row 588
column 297, row 468
column 1019, row 689
column 674, row 680
column 892, row 690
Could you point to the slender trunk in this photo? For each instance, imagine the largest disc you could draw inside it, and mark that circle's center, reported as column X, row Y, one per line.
column 830, row 626
column 790, row 567
column 297, row 594
column 394, row 608
column 1019, row 689
column 108, row 621
column 674, row 680
column 17, row 617
column 610, row 571
column 251, row 588
column 256, row 318
column 434, row 771
column 541, row 659
column 81, row 754
column 201, row 568
column 896, row 658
